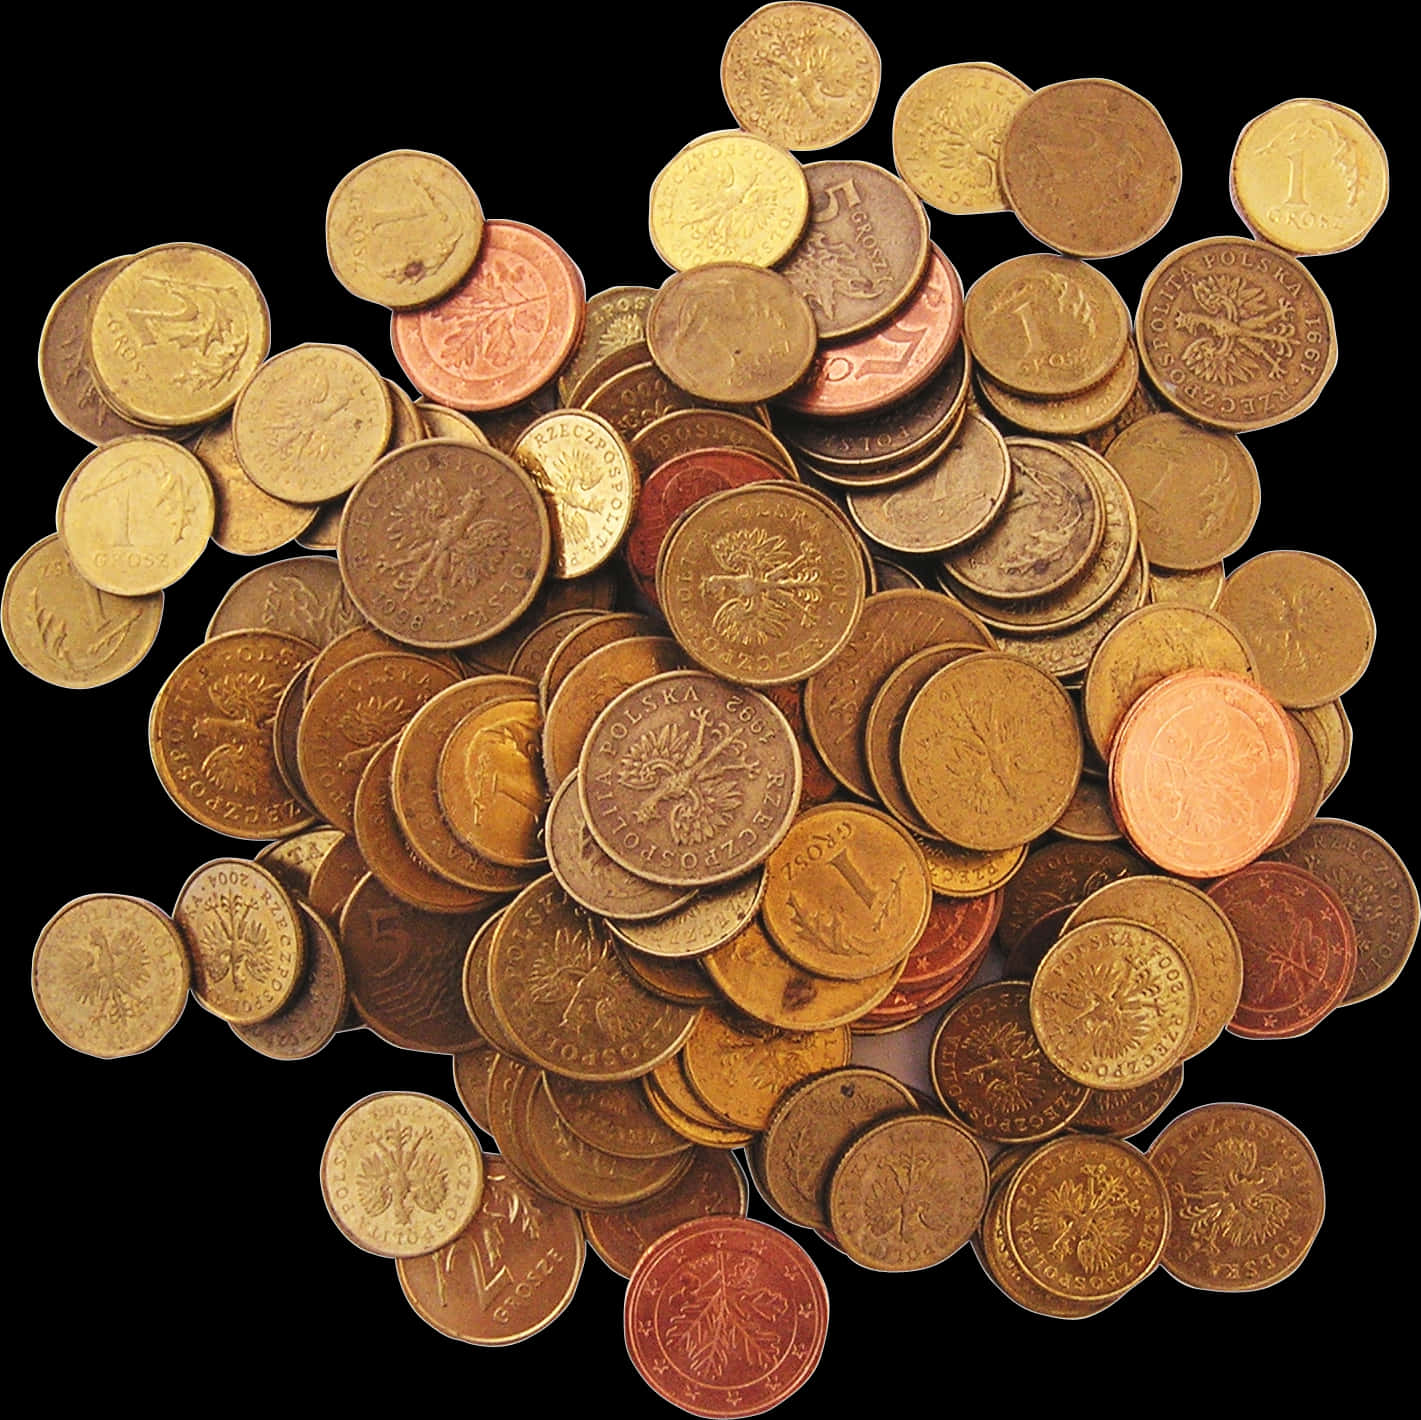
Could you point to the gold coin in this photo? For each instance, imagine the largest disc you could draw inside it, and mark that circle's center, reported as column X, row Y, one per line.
column 670, row 1097
column 297, row 596
column 728, row 197
column 601, row 630
column 311, row 422
column 1331, row 733
column 248, row 520
column 709, row 920
column 1308, row 798
column 683, row 431
column 1071, row 414
column 1122, row 1113
column 991, row 752
column 964, row 872
column 947, row 135
column 335, row 877
column 804, row 76
column 403, row 229
column 731, row 333
column 247, row 943
column 1309, row 176
column 615, row 320
column 110, row 975
column 176, row 334
column 294, row 860
column 1088, row 817
column 362, row 641
column 136, row 514
column 586, row 473
column 1202, row 588
column 613, row 1115
column 471, row 1076
column 1307, row 621
column 402, row 1174
column 531, row 659
column 440, row 422
column 65, row 630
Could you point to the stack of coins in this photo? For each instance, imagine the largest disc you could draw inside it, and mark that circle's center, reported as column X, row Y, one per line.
column 618, row 272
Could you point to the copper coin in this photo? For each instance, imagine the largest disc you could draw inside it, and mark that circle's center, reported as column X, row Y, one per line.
column 505, row 329
column 725, row 1317
column 957, row 931
column 892, row 361
column 1059, row 875
column 685, row 431
column 1299, row 948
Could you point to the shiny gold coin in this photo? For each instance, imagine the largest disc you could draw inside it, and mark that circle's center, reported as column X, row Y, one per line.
column 441, row 422
column 1202, row 588
column 490, row 784
column 739, row 1068
column 1114, row 1004
column 297, row 596
column 67, row 632
column 136, row 514
column 1196, row 490
column 247, row 943
column 804, row 76
column 731, row 333
column 1071, row 414
column 1046, row 326
column 709, row 920
column 176, row 334
column 847, row 892
column 248, row 520
column 403, row 229
column 1309, row 176
column 947, row 135
column 402, row 1174
column 586, row 474
column 110, row 975
column 991, row 752
column 670, row 1096
column 311, row 422
column 963, row 872
column 728, row 197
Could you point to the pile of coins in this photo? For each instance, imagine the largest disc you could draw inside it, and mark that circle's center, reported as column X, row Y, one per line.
column 366, row 727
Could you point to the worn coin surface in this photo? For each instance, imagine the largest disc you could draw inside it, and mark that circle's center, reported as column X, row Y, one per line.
column 248, row 520
column 298, row 596
column 310, row 1019
column 616, row 320
column 1077, row 414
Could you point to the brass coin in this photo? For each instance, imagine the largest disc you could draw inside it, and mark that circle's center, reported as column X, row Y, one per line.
column 1071, row 414
column 762, row 584
column 1088, row 817
column 311, row 423
column 1307, row 621
column 713, row 917
column 247, row 520
column 176, row 334
column 804, row 76
column 615, row 320
column 1089, row 168
column 110, row 975
column 443, row 544
column 402, row 1174
column 298, row 596
column 682, row 982
column 246, row 941
column 1046, row 326
column 136, row 514
column 478, row 999
column 728, row 197
column 947, row 135
column 991, row 752
column 1235, row 334
column 1309, row 176
column 335, row 877
column 963, row 872
column 691, row 430
column 1202, row 588
column 696, row 1123
column 636, row 397
column 471, row 1076
column 531, row 659
column 1060, row 875
column 67, row 632
column 601, row 629
column 865, row 249
column 352, row 645
column 403, row 229
column 1331, row 732
column 1123, row 1113
column 294, row 860
column 595, row 592
column 612, row 1115
column 1196, row 490
column 731, row 333
column 441, row 422
column 1308, row 798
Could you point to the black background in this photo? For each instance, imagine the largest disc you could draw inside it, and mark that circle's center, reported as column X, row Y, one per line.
column 169, row 1215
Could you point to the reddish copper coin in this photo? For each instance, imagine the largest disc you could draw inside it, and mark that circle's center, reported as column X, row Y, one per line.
column 725, row 1317
column 504, row 331
column 1299, row 948
column 957, row 932
column 890, row 362
column 671, row 488
column 819, row 785
column 1203, row 773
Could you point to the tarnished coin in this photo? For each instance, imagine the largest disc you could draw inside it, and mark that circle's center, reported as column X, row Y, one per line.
column 731, row 332
column 297, row 596
column 67, row 632
column 1307, row 621
column 672, row 1099
column 1046, row 325
column 728, row 197
column 957, row 936
column 804, row 76
column 176, row 334
column 688, row 780
column 907, row 1193
column 443, row 544
column 442, row 423
column 110, row 975
column 601, row 630
column 713, row 917
column 635, row 397
column 1245, row 1193
column 947, row 135
column 1202, row 588
column 1331, row 733
column 402, row 1174
column 294, row 860
column 504, row 331
column 1309, row 176
column 865, row 249
column 311, row 422
column 1070, row 414
column 246, row 941
column 136, row 514
column 1235, row 334
column 991, row 752
column 762, row 585
column 310, row 1019
column 335, row 877
column 1058, row 875
column 1089, row 167
column 689, row 431
column 612, row 1115
column 616, row 321
column 1089, row 816
column 1196, row 490
column 586, row 473
column 247, row 520
column 1123, row 1113
column 351, row 646
column 403, row 229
